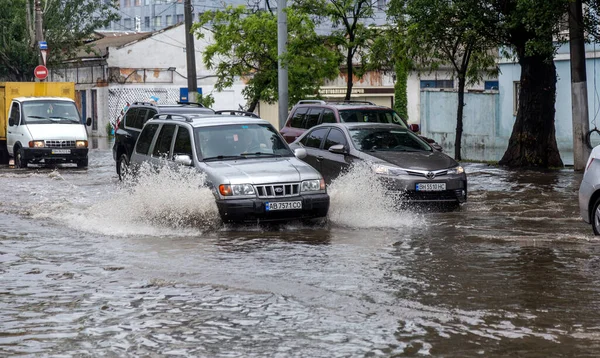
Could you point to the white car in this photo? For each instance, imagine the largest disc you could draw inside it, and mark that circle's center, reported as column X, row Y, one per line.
column 589, row 191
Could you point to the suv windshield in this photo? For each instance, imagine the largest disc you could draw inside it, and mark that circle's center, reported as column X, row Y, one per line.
column 49, row 111
column 371, row 116
column 377, row 139
column 237, row 141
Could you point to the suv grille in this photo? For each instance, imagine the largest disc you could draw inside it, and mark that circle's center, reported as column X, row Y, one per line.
column 60, row 143
column 278, row 190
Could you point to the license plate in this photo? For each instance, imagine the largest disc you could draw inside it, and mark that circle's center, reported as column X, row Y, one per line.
column 431, row 186
column 61, row 151
column 283, row 205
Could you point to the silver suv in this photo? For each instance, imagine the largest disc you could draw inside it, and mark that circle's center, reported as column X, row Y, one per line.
column 250, row 169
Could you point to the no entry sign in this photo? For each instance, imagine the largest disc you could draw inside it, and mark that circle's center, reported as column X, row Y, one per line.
column 40, row 72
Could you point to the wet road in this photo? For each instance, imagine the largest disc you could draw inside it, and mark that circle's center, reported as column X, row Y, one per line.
column 89, row 267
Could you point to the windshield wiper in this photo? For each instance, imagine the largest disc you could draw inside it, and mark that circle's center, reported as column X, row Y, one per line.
column 263, row 153
column 38, row 117
column 223, row 157
column 68, row 119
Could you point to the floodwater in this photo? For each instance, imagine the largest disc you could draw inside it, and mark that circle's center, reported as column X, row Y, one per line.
column 90, row 267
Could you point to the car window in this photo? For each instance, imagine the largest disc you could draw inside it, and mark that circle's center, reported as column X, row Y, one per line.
column 130, row 116
column 328, row 116
column 314, row 138
column 145, row 139
column 394, row 140
column 183, row 142
column 151, row 113
column 298, row 117
column 162, row 148
column 334, row 137
column 15, row 113
column 312, row 118
column 371, row 116
column 140, row 118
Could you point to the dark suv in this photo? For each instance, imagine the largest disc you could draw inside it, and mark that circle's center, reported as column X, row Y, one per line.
column 309, row 113
column 129, row 127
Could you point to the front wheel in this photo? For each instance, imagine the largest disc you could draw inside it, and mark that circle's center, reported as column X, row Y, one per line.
column 596, row 217
column 20, row 162
column 122, row 166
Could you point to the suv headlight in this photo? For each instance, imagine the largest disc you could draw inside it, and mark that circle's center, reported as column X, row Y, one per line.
column 37, row 144
column 456, row 170
column 313, row 185
column 236, row 189
column 388, row 170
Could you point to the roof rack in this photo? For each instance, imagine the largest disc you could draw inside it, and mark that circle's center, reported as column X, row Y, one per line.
column 308, row 101
column 234, row 112
column 188, row 118
column 144, row 104
column 192, row 104
column 353, row 102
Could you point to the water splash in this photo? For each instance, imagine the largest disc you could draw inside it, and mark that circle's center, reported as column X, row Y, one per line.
column 359, row 200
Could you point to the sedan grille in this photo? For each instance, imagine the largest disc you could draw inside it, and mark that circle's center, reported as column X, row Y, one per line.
column 278, row 190
column 427, row 174
column 60, row 143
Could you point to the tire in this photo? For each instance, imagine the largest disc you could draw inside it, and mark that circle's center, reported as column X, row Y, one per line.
column 122, row 166
column 19, row 161
column 595, row 217
column 83, row 163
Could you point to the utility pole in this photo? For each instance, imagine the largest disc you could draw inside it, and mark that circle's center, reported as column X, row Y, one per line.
column 282, row 72
column 579, row 94
column 39, row 35
column 190, row 53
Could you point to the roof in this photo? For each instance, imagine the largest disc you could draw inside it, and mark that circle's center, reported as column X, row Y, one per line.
column 363, row 125
column 31, row 99
column 342, row 104
column 99, row 48
column 200, row 120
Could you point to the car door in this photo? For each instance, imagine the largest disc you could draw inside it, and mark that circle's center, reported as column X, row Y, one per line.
column 183, row 143
column 312, row 142
column 333, row 164
column 14, row 130
column 142, row 151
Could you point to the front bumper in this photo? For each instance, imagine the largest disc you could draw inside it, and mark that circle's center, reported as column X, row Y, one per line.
column 254, row 209
column 405, row 189
column 54, row 154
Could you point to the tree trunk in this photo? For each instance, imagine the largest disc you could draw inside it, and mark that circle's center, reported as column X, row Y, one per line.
column 533, row 139
column 459, row 116
column 253, row 105
column 350, row 72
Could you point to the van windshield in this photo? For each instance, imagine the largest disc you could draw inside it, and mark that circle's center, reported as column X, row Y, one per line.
column 371, row 116
column 240, row 141
column 49, row 111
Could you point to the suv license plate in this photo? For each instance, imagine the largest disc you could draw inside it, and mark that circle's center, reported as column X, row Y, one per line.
column 61, row 151
column 283, row 205
column 431, row 186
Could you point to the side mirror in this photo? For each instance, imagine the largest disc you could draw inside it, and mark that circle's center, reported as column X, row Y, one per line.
column 300, row 153
column 338, row 149
column 88, row 121
column 183, row 159
column 11, row 121
column 414, row 127
column 437, row 147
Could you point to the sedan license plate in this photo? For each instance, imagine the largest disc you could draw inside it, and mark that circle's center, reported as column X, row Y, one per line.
column 283, row 205
column 61, row 151
column 431, row 186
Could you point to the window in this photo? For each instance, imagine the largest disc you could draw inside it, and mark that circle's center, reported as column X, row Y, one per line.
column 334, row 137
column 328, row 116
column 151, row 113
column 130, row 117
column 516, row 90
column 183, row 144
column 127, row 24
column 15, row 114
column 179, row 18
column 126, row 3
column 312, row 118
column 314, row 138
column 145, row 139
column 169, row 19
column 138, row 2
column 490, row 85
column 157, row 21
column 298, row 117
column 162, row 148
column 146, row 2
column 147, row 22
column 138, row 122
column 437, row 83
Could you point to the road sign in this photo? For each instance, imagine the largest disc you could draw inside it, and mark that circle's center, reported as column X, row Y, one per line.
column 44, row 56
column 40, row 72
column 43, row 45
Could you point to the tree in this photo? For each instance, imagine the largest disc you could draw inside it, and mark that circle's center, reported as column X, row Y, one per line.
column 245, row 45
column 67, row 25
column 349, row 30
column 445, row 33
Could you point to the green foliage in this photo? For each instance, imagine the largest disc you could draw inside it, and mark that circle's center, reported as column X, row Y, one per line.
column 400, row 89
column 205, row 100
column 244, row 44
column 67, row 24
column 109, row 130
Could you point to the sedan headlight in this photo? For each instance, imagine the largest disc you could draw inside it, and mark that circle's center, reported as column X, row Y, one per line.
column 388, row 170
column 313, row 185
column 456, row 170
column 81, row 144
column 236, row 189
column 36, row 144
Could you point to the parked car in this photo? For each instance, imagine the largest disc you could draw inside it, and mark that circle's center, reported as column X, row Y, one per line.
column 589, row 191
column 309, row 113
column 129, row 127
column 251, row 170
column 407, row 165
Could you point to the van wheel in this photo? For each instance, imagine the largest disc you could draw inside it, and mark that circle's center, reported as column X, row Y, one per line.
column 596, row 217
column 19, row 161
column 122, row 166
column 83, row 163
